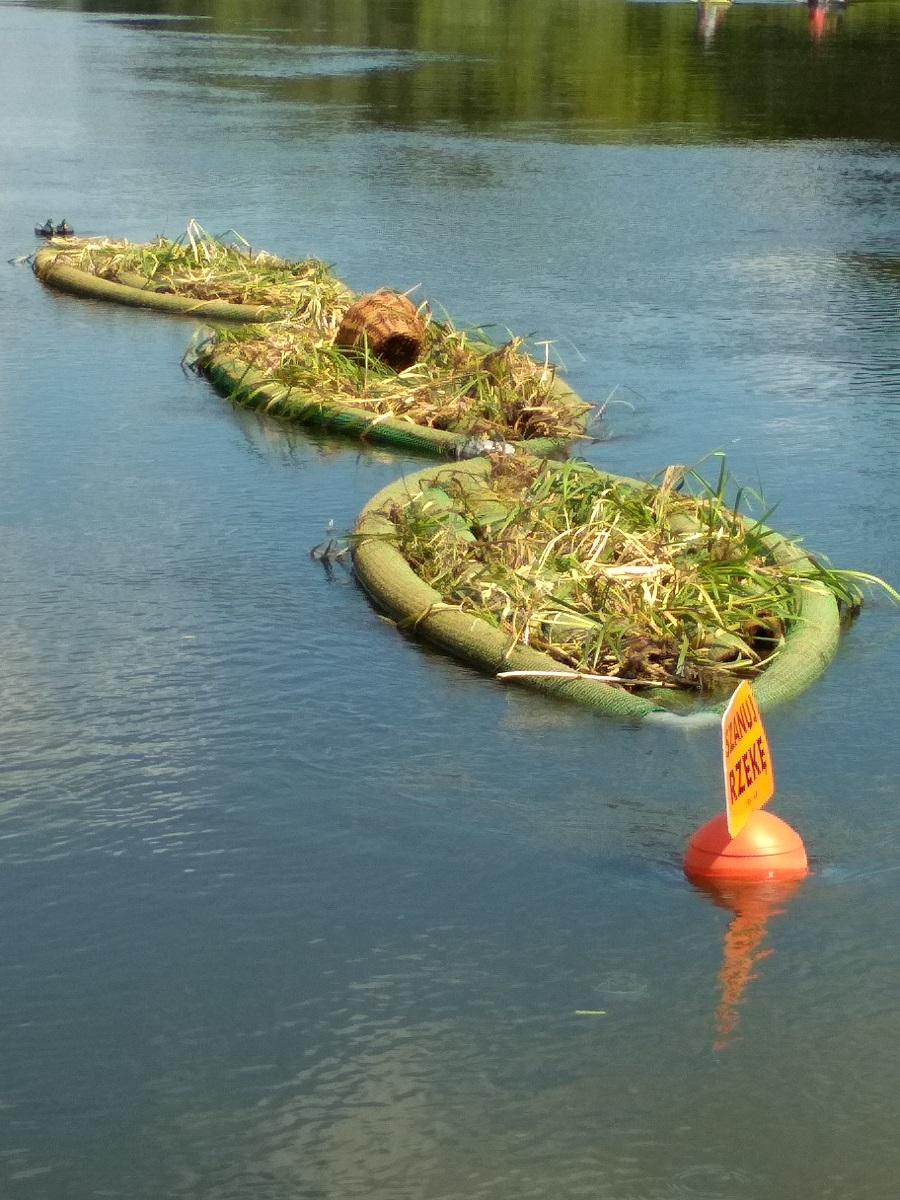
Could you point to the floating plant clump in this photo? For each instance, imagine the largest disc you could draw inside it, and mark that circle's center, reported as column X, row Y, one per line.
column 207, row 268
column 661, row 585
column 459, row 383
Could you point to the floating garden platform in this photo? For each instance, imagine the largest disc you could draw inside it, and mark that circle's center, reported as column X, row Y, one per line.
column 458, row 396
column 197, row 275
column 631, row 598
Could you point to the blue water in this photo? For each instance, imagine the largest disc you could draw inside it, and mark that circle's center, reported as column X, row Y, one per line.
column 293, row 907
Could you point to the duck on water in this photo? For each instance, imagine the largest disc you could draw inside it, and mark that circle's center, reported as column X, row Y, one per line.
column 49, row 230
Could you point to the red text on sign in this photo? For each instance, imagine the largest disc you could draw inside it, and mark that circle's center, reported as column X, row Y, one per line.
column 749, row 767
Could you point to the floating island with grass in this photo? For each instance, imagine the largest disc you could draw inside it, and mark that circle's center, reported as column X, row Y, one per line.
column 292, row 340
column 196, row 275
column 379, row 368
column 633, row 598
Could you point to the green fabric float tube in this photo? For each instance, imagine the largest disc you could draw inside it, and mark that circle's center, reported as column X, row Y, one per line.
column 397, row 590
column 92, row 287
column 251, row 388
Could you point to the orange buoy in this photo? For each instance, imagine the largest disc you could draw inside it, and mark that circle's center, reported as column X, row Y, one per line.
column 766, row 848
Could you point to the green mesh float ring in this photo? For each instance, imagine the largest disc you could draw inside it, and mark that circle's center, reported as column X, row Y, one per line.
column 397, row 590
column 238, row 381
column 138, row 292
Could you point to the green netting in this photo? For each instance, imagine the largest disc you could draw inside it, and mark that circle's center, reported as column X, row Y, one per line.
column 139, row 293
column 396, row 589
column 251, row 388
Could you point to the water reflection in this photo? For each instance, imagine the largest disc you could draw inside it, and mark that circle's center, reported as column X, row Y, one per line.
column 753, row 906
column 588, row 72
column 824, row 17
column 709, row 17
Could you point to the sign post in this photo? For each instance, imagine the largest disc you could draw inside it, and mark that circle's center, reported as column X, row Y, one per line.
column 749, row 780
column 741, row 845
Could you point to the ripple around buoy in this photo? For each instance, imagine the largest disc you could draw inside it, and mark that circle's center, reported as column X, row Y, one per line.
column 624, row 985
column 711, row 1182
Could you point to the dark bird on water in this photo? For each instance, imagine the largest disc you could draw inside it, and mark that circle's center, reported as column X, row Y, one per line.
column 49, row 230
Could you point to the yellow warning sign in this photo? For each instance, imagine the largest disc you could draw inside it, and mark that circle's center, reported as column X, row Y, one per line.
column 749, row 780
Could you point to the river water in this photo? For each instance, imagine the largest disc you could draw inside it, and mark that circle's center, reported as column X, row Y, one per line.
column 293, row 908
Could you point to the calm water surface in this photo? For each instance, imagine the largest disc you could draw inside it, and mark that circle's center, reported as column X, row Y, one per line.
column 292, row 908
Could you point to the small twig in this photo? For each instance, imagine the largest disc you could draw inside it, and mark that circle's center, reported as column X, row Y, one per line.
column 574, row 675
